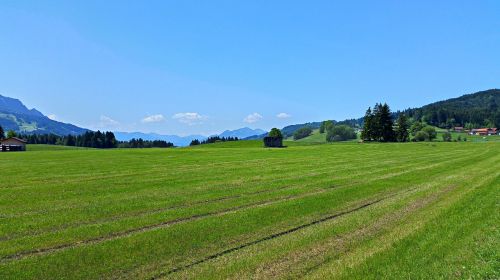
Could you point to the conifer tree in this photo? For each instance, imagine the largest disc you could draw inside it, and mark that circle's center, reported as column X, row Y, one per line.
column 376, row 124
column 402, row 134
column 366, row 135
column 386, row 124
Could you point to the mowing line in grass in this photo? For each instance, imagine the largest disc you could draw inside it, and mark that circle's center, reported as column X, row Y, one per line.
column 276, row 235
column 139, row 229
column 43, row 251
column 366, row 181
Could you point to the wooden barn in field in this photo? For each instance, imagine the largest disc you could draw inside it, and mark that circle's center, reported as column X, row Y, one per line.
column 12, row 144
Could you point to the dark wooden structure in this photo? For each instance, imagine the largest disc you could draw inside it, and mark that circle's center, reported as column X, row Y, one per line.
column 12, row 144
column 273, row 142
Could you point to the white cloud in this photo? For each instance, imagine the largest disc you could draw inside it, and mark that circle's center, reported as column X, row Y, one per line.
column 189, row 118
column 252, row 118
column 52, row 117
column 106, row 121
column 283, row 116
column 153, row 119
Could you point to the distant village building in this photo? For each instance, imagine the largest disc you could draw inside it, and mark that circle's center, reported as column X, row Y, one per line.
column 13, row 144
column 484, row 131
column 458, row 128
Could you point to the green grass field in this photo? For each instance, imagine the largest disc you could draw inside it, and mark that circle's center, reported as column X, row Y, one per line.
column 33, row 148
column 237, row 210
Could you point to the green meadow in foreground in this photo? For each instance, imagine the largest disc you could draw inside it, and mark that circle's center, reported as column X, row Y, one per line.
column 237, row 210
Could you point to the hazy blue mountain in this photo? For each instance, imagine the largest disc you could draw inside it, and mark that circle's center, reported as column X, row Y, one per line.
column 186, row 140
column 256, row 137
column 15, row 116
column 175, row 139
column 242, row 132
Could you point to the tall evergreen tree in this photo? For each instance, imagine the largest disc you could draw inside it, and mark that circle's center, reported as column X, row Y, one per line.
column 386, row 124
column 109, row 140
column 2, row 133
column 366, row 135
column 70, row 140
column 402, row 133
column 376, row 125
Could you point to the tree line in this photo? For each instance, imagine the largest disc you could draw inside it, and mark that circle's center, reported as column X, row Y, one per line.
column 212, row 139
column 470, row 111
column 379, row 126
column 140, row 143
column 91, row 139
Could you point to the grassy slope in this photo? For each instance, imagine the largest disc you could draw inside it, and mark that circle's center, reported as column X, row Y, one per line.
column 315, row 137
column 239, row 210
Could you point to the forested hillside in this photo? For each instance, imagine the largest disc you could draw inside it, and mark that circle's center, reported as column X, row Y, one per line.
column 479, row 109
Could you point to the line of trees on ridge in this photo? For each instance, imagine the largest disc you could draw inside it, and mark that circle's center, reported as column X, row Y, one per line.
column 141, row 143
column 481, row 109
column 213, row 139
column 379, row 126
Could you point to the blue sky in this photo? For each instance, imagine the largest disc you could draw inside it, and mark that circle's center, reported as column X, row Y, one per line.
column 183, row 67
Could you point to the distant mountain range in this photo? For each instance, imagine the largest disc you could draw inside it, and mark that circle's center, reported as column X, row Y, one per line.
column 242, row 132
column 186, row 140
column 175, row 139
column 477, row 109
column 15, row 116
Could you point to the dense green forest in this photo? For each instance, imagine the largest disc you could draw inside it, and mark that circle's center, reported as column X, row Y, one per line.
column 91, row 139
column 480, row 109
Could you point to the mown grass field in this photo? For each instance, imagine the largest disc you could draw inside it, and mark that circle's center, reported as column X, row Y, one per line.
column 237, row 210
column 41, row 147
